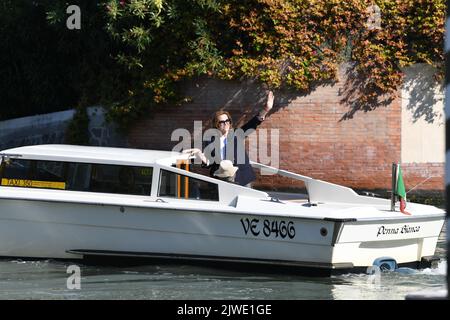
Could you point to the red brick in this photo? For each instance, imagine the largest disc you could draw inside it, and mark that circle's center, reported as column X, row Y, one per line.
column 357, row 152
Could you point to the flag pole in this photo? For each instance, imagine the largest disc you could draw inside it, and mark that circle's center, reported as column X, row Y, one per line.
column 394, row 182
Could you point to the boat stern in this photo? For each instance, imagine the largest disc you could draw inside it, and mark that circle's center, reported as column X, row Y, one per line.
column 408, row 240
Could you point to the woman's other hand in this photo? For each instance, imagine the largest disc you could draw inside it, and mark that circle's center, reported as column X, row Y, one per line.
column 197, row 153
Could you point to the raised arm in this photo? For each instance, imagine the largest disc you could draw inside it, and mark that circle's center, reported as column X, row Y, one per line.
column 268, row 106
column 256, row 120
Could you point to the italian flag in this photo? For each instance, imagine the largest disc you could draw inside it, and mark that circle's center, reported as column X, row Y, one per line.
column 401, row 193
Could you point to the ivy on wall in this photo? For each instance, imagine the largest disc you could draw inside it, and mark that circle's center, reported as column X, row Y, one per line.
column 132, row 54
column 296, row 44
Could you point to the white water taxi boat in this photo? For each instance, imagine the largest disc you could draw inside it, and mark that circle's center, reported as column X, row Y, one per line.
column 74, row 202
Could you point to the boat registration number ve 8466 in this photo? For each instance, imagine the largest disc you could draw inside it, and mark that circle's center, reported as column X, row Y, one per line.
column 268, row 228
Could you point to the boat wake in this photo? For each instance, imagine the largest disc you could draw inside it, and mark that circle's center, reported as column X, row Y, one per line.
column 440, row 270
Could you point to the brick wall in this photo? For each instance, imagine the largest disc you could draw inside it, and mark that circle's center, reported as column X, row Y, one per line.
column 427, row 176
column 314, row 139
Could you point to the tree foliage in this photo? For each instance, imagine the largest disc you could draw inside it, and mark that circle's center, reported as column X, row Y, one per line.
column 132, row 54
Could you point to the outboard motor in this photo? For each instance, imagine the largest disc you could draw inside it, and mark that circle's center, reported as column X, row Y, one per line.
column 385, row 264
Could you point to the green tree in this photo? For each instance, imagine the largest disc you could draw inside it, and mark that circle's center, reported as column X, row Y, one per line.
column 132, row 54
column 296, row 44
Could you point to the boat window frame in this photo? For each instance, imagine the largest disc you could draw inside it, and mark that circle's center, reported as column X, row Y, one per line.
column 186, row 174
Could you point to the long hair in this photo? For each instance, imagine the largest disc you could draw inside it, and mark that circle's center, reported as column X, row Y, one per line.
column 216, row 118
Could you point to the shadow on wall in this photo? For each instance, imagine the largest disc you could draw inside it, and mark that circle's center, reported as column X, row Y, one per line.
column 356, row 95
column 420, row 88
column 424, row 93
column 246, row 97
column 204, row 97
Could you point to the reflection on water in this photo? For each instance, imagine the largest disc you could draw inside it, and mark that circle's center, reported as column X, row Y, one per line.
column 46, row 279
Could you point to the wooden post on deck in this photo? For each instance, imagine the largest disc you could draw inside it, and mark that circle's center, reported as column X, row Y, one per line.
column 180, row 164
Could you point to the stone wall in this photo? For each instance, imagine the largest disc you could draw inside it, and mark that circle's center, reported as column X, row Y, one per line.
column 50, row 129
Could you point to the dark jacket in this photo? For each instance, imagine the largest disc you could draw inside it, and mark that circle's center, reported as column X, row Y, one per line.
column 245, row 173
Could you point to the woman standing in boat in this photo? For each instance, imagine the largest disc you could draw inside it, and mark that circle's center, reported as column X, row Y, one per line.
column 230, row 144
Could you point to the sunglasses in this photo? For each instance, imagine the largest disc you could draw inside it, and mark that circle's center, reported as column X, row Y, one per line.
column 225, row 121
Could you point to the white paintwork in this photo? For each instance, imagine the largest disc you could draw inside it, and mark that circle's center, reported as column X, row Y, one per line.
column 49, row 223
column 422, row 119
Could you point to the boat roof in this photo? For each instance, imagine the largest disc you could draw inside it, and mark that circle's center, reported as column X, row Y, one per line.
column 61, row 152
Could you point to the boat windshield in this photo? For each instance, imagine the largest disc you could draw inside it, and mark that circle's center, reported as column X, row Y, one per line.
column 293, row 190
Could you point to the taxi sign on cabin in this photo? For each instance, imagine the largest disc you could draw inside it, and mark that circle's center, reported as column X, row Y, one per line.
column 33, row 184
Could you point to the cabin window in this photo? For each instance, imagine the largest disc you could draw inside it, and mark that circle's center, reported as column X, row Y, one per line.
column 180, row 186
column 52, row 173
column 121, row 179
column 32, row 174
column 76, row 176
column 15, row 169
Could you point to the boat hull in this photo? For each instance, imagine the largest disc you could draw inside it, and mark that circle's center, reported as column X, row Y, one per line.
column 66, row 230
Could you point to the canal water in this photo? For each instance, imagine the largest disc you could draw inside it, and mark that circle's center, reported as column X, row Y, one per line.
column 50, row 279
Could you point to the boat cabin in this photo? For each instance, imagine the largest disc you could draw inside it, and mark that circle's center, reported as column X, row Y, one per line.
column 131, row 172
